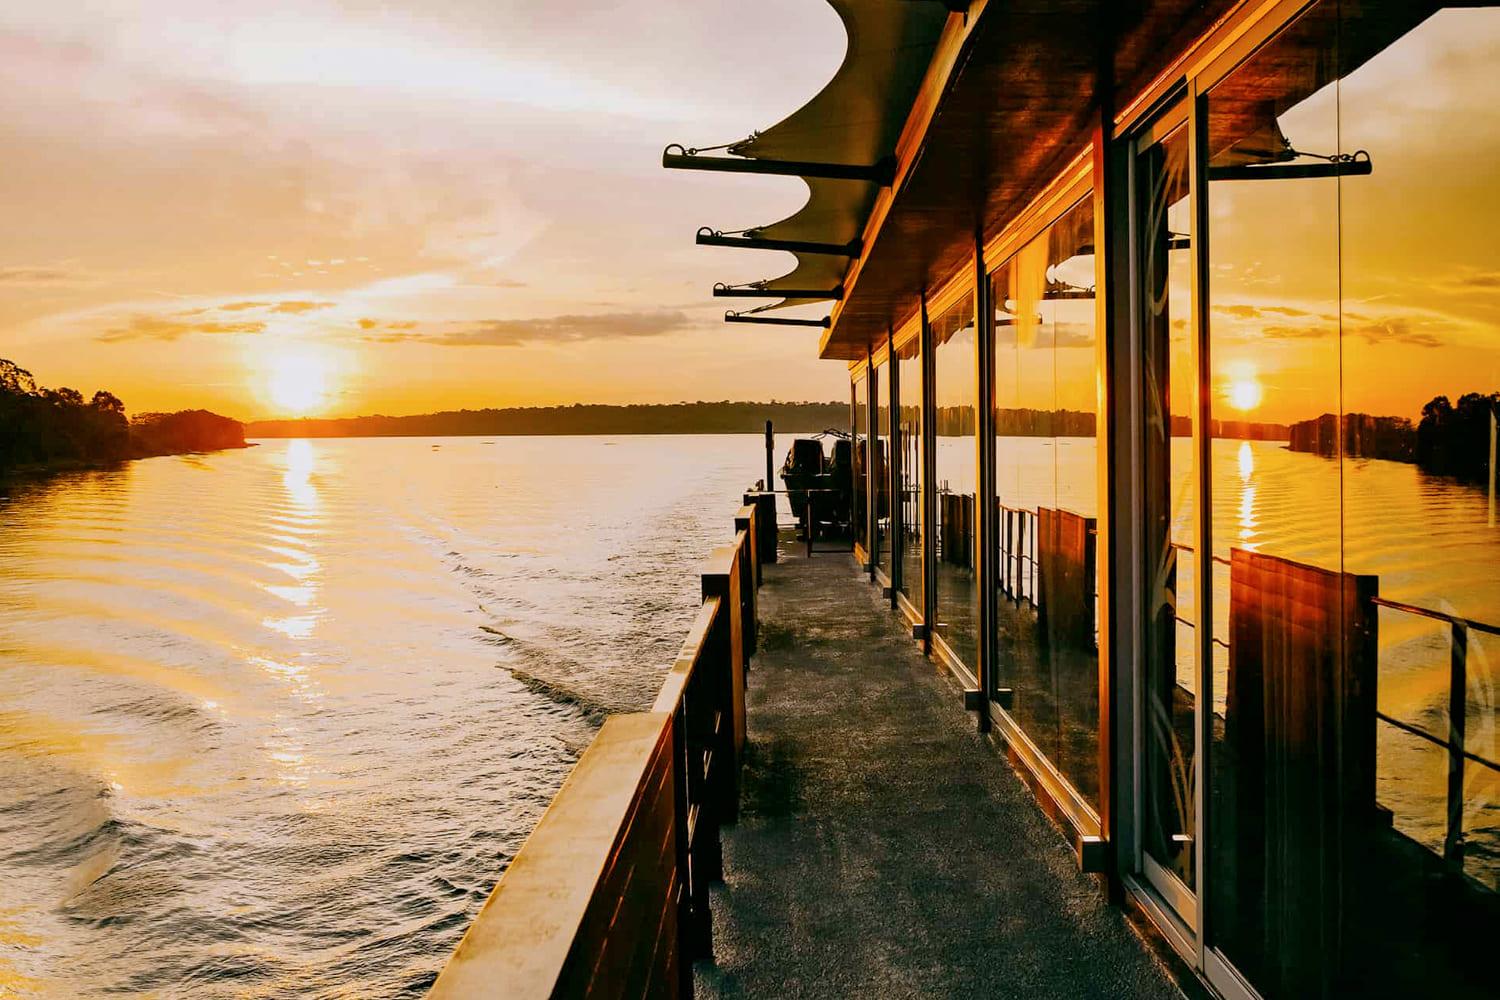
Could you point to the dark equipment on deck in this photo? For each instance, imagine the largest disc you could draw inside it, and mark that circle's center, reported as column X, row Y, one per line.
column 820, row 487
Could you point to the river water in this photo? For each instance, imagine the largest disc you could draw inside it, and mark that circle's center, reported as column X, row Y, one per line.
column 271, row 720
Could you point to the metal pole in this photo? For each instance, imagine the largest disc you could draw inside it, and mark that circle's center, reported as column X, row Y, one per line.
column 770, row 456
column 1492, row 466
column 1458, row 683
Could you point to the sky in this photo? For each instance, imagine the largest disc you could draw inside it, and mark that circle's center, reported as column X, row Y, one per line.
column 334, row 208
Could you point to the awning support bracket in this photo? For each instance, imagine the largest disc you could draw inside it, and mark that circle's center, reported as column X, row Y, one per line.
column 758, row 290
column 734, row 317
column 712, row 238
column 883, row 172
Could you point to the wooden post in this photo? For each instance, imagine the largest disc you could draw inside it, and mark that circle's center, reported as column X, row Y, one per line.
column 727, row 661
column 765, row 504
column 747, row 520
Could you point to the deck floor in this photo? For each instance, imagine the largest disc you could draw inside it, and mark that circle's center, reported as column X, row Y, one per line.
column 884, row 848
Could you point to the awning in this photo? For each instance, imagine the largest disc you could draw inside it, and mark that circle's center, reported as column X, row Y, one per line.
column 855, row 120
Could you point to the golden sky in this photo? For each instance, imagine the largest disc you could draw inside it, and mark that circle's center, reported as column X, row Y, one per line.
column 362, row 207
column 1376, row 292
column 338, row 208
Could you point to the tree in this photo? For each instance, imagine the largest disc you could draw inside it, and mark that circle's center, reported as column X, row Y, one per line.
column 107, row 402
column 16, row 380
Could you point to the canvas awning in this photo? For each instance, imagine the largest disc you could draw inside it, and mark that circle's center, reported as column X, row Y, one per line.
column 855, row 120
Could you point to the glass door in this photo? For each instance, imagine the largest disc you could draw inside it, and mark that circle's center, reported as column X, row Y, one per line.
column 1169, row 784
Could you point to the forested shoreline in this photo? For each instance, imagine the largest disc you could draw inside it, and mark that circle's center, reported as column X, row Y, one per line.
column 1451, row 439
column 722, row 417
column 43, row 428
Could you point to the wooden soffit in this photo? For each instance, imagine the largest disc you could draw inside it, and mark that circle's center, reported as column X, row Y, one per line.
column 1009, row 99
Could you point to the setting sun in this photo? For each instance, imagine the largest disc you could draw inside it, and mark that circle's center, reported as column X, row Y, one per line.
column 297, row 382
column 1245, row 394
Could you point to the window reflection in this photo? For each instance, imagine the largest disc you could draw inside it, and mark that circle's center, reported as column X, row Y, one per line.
column 1354, row 372
column 859, row 429
column 881, row 471
column 909, row 388
column 1170, row 688
column 1046, row 477
column 956, row 381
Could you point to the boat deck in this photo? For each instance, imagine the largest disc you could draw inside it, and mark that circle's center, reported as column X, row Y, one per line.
column 884, row 847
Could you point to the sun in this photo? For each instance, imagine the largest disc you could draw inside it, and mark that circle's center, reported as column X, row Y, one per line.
column 1245, row 393
column 298, row 382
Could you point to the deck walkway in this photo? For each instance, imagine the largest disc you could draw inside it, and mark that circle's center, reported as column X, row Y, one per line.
column 884, row 849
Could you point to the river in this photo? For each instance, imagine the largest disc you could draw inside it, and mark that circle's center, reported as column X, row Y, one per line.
column 269, row 719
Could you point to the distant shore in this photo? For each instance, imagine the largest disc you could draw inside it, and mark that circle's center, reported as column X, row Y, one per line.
column 45, row 431
column 580, row 419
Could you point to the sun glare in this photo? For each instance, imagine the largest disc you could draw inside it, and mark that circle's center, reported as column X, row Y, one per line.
column 297, row 382
column 1245, row 394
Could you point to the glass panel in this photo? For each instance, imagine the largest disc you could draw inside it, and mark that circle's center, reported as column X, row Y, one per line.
column 1170, row 688
column 1419, row 336
column 909, row 386
column 1046, row 456
column 858, row 416
column 956, row 379
column 1278, row 620
column 882, row 478
column 1355, row 370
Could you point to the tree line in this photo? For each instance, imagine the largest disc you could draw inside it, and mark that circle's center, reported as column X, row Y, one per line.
column 722, row 417
column 1451, row 439
column 41, row 426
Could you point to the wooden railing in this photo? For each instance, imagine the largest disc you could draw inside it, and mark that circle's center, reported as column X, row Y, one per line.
column 609, row 895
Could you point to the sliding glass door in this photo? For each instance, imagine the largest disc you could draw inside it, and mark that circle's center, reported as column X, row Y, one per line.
column 1169, row 688
column 1317, row 370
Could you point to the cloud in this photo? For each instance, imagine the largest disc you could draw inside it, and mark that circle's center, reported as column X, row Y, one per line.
column 296, row 308
column 1397, row 329
column 39, row 276
column 1415, row 329
column 292, row 308
column 1239, row 311
column 1242, row 310
column 1473, row 281
column 145, row 327
column 1296, row 331
column 1376, row 330
column 551, row 329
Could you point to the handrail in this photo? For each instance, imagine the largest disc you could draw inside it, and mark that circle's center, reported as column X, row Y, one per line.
column 1458, row 698
column 609, row 894
column 1441, row 616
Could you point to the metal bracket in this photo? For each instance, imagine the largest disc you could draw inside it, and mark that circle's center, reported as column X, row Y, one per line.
column 759, row 291
column 734, row 317
column 973, row 700
column 710, row 238
column 1004, row 697
column 882, row 172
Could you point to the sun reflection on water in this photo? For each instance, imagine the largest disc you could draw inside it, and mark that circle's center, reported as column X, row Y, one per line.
column 1248, row 518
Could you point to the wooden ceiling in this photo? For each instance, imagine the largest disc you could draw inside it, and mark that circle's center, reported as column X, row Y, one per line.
column 1018, row 105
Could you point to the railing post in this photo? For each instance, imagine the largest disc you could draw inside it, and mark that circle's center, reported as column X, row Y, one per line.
column 748, row 521
column 745, row 521
column 694, row 931
column 1458, row 691
column 765, row 505
column 727, row 665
